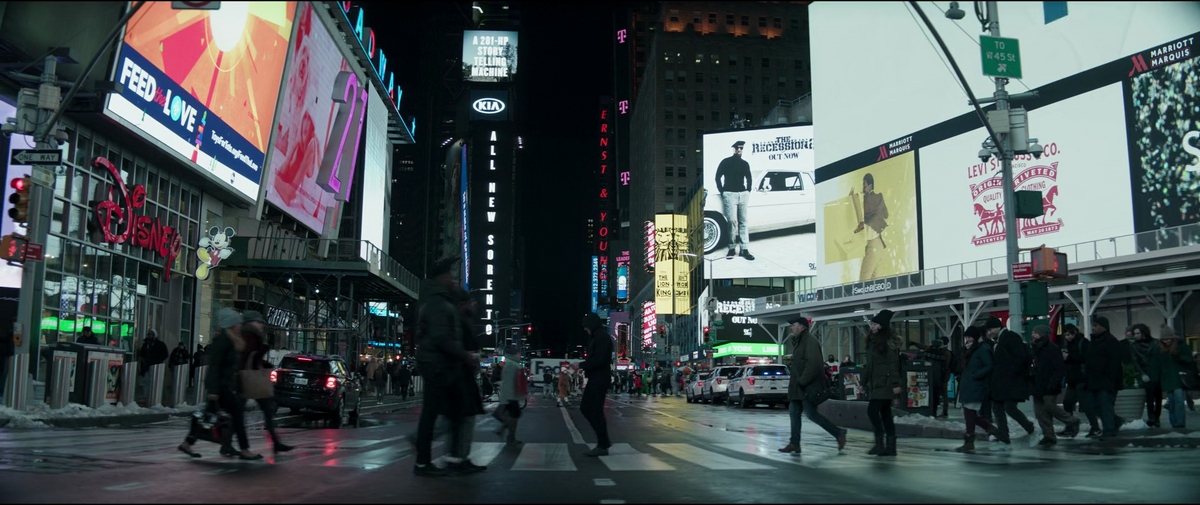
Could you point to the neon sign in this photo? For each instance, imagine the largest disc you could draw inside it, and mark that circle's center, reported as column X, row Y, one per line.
column 605, row 131
column 143, row 231
column 366, row 40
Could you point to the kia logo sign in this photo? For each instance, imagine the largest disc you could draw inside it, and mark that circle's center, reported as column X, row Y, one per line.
column 488, row 106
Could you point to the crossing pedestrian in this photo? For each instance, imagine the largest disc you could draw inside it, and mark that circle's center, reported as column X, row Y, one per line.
column 1142, row 346
column 548, row 384
column 1167, row 360
column 596, row 365
column 1010, row 376
column 1047, row 384
column 1103, row 375
column 883, row 381
column 1074, row 349
column 471, row 402
column 441, row 357
column 976, row 366
column 403, row 379
column 254, row 358
column 511, row 394
column 564, row 387
column 807, row 370
column 225, row 357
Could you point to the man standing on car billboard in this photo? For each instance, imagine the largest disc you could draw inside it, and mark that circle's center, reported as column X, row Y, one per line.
column 734, row 182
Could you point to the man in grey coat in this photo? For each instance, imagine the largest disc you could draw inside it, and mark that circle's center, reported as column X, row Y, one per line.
column 807, row 376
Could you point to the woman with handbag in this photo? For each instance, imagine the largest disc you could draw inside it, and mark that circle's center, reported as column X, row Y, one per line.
column 224, row 362
column 256, row 375
column 882, row 380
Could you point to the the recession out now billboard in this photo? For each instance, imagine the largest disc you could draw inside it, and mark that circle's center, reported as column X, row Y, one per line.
column 760, row 198
column 203, row 84
column 489, row 56
column 319, row 129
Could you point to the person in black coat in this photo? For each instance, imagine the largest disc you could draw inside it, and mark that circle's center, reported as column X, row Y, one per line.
column 1073, row 351
column 1103, row 375
column 1047, row 384
column 87, row 337
column 1010, row 376
column 596, row 365
column 403, row 378
column 225, row 358
column 254, row 357
column 976, row 366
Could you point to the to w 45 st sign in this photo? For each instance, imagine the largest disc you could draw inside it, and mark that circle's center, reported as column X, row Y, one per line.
column 1001, row 57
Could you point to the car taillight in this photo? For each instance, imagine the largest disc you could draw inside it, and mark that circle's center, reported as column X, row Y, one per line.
column 274, row 375
column 331, row 383
column 750, row 380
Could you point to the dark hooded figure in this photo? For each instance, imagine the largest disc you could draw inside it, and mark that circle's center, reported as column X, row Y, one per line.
column 596, row 366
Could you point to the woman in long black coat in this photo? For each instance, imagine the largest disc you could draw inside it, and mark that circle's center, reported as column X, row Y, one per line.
column 973, row 386
column 1010, row 378
column 882, row 379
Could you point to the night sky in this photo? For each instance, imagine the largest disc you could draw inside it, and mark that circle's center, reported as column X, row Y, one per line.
column 565, row 66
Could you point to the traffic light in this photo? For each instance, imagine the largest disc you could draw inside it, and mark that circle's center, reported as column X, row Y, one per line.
column 20, row 200
column 12, row 248
column 528, row 328
column 707, row 334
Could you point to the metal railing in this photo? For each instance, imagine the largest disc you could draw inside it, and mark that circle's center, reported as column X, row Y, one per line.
column 340, row 250
column 1115, row 247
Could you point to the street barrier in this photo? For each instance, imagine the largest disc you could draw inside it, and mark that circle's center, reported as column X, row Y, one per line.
column 154, row 388
column 179, row 387
column 199, row 393
column 60, row 384
column 16, row 381
column 97, row 383
column 129, row 375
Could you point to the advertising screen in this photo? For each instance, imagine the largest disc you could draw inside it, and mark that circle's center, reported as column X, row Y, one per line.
column 375, row 173
column 671, row 271
column 306, row 122
column 1164, row 140
column 733, row 303
column 489, row 56
column 869, row 222
column 203, row 84
column 962, row 208
column 761, row 199
column 489, row 105
column 623, row 277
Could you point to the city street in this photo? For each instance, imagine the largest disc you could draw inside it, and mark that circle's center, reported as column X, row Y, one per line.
column 666, row 451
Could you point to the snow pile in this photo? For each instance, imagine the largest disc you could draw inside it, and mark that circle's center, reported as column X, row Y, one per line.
column 1134, row 425
column 37, row 412
column 929, row 422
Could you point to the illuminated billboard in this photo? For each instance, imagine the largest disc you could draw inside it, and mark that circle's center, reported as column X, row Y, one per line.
column 869, row 222
column 672, row 274
column 489, row 56
column 316, row 135
column 376, row 174
column 760, row 203
column 203, row 84
column 623, row 277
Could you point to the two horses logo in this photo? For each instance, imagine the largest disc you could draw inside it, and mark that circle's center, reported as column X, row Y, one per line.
column 991, row 220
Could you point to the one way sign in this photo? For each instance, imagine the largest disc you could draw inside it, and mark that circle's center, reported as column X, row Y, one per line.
column 36, row 157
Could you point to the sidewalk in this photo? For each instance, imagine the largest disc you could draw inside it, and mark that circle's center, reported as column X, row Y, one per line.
column 40, row 416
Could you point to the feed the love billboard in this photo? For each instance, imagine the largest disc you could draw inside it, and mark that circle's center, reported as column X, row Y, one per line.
column 203, row 84
column 1085, row 190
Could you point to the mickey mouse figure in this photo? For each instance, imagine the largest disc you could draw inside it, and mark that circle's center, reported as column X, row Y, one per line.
column 213, row 249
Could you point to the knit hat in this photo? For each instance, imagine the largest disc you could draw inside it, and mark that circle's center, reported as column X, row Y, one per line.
column 1166, row 333
column 993, row 323
column 1101, row 321
column 1042, row 330
column 883, row 318
column 802, row 320
column 251, row 316
column 973, row 332
column 229, row 318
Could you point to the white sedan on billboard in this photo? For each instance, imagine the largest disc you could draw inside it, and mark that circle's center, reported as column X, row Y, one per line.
column 781, row 199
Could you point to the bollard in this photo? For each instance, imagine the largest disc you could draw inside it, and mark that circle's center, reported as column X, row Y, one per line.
column 129, row 374
column 180, row 386
column 154, row 390
column 60, row 383
column 200, row 394
column 98, row 384
column 16, row 381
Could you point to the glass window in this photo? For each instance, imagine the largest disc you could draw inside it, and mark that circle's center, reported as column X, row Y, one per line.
column 766, row 99
column 682, row 134
column 77, row 227
column 783, row 82
column 795, row 24
column 712, row 18
column 716, row 97
column 683, row 171
column 669, row 114
column 83, row 150
column 699, row 115
column 174, row 197
column 748, row 80
column 52, row 291
column 670, row 152
column 682, row 153
column 796, row 65
column 78, row 187
column 749, row 98
column 670, row 133
column 716, row 59
column 716, row 81
column 682, row 76
column 152, row 186
column 732, row 79
column 749, row 117
column 766, row 63
column 674, row 15
column 696, row 17
column 669, row 95
column 729, row 19
column 681, row 95
column 733, row 60
column 716, row 116
column 733, row 98
column 682, row 191
column 670, row 171
column 670, row 75
column 778, row 23
column 670, row 191
column 762, row 22
column 745, row 20
column 682, row 115
column 699, row 96
column 53, row 253
column 699, row 134
column 699, row 77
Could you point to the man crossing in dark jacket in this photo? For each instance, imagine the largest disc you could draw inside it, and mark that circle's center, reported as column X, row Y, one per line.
column 807, row 370
column 1073, row 350
column 1047, row 383
column 596, row 366
column 1009, row 381
column 1103, row 374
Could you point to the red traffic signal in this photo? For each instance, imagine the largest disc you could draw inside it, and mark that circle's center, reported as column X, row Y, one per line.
column 12, row 248
column 528, row 328
column 20, row 200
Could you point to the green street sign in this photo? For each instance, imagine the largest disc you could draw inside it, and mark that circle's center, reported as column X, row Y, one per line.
column 1001, row 57
column 740, row 349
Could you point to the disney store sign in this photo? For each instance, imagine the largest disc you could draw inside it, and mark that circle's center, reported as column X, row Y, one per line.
column 119, row 219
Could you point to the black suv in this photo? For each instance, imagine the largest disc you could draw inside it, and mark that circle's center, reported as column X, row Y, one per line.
column 322, row 383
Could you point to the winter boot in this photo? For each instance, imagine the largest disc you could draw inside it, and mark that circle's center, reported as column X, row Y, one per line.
column 878, row 448
column 890, row 448
column 1000, row 436
column 968, row 443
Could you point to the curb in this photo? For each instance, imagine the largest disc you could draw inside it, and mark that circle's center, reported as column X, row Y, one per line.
column 100, row 422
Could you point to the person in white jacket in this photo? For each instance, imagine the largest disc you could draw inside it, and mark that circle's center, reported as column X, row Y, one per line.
column 508, row 412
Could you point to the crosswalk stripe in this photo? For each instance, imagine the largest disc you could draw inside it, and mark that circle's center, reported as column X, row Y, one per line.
column 544, row 457
column 707, row 459
column 482, row 453
column 809, row 458
column 623, row 457
column 372, row 460
column 575, row 436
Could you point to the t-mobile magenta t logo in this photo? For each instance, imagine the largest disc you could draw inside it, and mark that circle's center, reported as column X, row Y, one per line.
column 623, row 105
column 621, row 36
